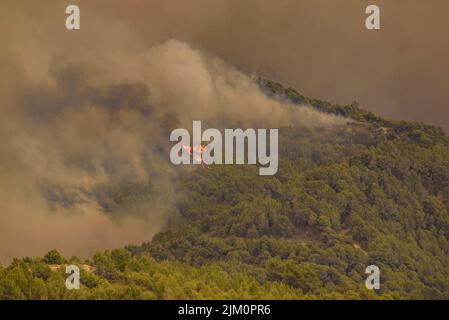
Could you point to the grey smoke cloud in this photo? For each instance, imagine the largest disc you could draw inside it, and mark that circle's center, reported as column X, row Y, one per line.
column 85, row 140
column 321, row 47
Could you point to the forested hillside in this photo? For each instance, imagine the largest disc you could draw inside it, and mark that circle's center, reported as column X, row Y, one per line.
column 371, row 192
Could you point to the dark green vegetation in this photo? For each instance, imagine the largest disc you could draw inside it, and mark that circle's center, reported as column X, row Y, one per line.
column 372, row 192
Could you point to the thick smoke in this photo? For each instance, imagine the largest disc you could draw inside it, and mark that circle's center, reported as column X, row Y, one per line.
column 85, row 152
column 84, row 134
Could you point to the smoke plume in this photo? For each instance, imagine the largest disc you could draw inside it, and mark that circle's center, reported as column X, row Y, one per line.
column 84, row 133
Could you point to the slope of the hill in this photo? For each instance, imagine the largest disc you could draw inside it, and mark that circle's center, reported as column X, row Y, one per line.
column 372, row 192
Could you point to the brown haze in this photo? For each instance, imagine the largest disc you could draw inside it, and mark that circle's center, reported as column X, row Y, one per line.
column 84, row 113
column 94, row 107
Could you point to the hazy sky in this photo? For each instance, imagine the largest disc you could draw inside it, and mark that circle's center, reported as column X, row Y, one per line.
column 321, row 47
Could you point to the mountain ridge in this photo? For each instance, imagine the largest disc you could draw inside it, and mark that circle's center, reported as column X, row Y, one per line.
column 374, row 192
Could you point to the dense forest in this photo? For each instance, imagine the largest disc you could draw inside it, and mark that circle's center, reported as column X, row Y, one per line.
column 374, row 191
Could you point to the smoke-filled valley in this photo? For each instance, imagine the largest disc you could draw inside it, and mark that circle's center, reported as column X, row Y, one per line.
column 86, row 177
column 86, row 147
